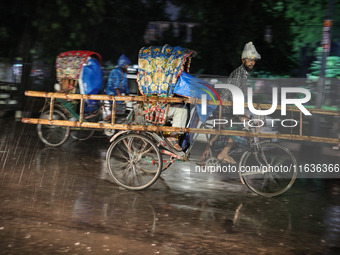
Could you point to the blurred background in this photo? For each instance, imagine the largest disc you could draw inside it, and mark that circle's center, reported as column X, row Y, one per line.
column 296, row 38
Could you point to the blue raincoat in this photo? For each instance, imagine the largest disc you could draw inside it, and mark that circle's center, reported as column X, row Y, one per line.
column 118, row 79
column 92, row 83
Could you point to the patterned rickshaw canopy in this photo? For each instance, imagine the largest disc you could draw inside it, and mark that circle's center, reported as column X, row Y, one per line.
column 160, row 67
column 70, row 63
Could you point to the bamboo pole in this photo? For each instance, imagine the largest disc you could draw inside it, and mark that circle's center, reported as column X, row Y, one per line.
column 166, row 99
column 81, row 115
column 113, row 112
column 176, row 129
column 219, row 131
column 105, row 97
column 51, row 108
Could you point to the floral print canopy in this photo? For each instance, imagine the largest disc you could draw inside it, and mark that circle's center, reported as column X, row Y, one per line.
column 69, row 64
column 160, row 67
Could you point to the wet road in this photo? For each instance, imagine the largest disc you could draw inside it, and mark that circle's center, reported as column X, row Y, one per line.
column 61, row 201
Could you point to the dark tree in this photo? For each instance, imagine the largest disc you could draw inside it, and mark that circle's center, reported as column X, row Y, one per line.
column 226, row 26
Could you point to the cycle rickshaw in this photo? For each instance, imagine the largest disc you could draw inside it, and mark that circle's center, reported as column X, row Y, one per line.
column 140, row 151
column 77, row 72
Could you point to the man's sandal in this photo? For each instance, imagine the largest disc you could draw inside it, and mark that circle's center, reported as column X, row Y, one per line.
column 227, row 159
column 201, row 163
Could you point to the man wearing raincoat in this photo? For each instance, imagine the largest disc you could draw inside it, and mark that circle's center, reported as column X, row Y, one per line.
column 117, row 83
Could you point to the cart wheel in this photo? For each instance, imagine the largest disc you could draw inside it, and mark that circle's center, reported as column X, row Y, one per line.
column 82, row 134
column 53, row 135
column 134, row 161
column 268, row 171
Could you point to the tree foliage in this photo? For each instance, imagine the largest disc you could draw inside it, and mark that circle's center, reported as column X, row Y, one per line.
column 283, row 31
column 307, row 18
column 47, row 28
column 332, row 69
column 226, row 26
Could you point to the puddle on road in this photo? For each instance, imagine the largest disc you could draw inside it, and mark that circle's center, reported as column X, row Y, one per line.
column 56, row 200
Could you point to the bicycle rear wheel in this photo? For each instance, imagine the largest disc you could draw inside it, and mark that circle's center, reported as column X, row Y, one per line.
column 268, row 170
column 134, row 161
column 53, row 135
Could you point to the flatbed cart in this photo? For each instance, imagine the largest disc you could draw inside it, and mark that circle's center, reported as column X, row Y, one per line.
column 77, row 71
column 139, row 152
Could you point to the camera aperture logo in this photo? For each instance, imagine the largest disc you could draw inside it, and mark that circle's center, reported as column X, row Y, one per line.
column 204, row 97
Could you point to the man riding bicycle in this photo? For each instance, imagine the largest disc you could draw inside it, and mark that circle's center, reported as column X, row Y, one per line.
column 239, row 78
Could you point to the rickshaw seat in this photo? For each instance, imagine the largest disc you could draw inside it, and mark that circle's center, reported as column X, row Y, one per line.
column 68, row 85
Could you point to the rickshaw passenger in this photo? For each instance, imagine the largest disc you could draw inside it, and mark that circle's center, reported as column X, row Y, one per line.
column 238, row 78
column 117, row 84
column 179, row 115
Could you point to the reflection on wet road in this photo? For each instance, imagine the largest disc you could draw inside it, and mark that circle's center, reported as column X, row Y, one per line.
column 61, row 201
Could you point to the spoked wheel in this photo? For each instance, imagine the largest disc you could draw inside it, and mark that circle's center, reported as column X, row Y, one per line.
column 82, row 134
column 134, row 161
column 53, row 135
column 269, row 170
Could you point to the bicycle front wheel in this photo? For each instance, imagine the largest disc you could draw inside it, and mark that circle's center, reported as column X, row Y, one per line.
column 53, row 135
column 134, row 161
column 268, row 170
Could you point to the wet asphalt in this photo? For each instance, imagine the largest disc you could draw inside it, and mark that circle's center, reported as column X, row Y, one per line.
column 62, row 201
